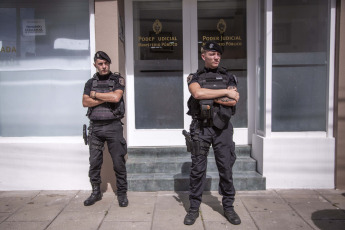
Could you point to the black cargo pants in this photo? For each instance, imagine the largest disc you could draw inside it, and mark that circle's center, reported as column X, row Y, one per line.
column 112, row 133
column 224, row 152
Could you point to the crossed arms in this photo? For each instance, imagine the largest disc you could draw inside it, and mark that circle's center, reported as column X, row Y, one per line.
column 98, row 98
column 226, row 97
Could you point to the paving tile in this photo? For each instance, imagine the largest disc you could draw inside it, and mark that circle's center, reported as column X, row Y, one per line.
column 336, row 199
column 340, row 205
column 318, row 210
column 219, row 225
column 130, row 213
column 170, row 212
column 303, row 198
column 264, row 204
column 260, row 193
column 171, row 201
column 294, row 192
column 30, row 194
column 331, row 191
column 172, row 220
column 212, row 211
column 213, row 214
column 4, row 215
column 11, row 204
column 27, row 225
column 282, row 220
column 258, row 210
column 180, row 198
column 300, row 195
column 129, row 225
column 140, row 208
column 68, row 220
column 58, row 193
column 43, row 207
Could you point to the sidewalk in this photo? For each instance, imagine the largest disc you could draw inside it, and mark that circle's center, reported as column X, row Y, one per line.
column 264, row 210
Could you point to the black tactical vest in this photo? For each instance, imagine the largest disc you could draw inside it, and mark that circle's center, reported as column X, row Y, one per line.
column 220, row 115
column 107, row 110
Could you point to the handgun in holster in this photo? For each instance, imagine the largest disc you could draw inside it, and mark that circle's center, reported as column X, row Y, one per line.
column 85, row 134
column 194, row 147
column 189, row 142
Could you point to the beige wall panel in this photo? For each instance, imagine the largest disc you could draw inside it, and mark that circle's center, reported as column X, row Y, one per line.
column 107, row 39
column 106, row 27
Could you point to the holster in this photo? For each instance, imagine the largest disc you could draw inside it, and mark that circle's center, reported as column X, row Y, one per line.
column 85, row 134
column 194, row 144
column 189, row 142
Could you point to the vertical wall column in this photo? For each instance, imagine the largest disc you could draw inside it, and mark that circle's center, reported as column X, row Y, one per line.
column 109, row 29
column 106, row 24
column 340, row 98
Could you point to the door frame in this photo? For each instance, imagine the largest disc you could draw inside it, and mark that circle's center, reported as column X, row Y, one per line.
column 174, row 137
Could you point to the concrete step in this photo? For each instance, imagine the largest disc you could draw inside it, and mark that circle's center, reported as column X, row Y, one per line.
column 168, row 168
column 180, row 182
column 158, row 152
column 181, row 165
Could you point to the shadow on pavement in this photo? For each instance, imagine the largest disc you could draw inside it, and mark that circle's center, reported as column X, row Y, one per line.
column 213, row 202
column 183, row 198
column 181, row 187
column 329, row 219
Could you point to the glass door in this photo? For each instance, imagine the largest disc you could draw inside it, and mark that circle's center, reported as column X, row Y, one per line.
column 226, row 23
column 163, row 40
column 155, row 73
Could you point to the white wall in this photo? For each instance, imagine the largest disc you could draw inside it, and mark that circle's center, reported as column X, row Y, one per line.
column 61, row 163
column 36, row 163
column 295, row 162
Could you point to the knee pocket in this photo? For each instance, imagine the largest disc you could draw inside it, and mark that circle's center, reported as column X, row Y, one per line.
column 124, row 144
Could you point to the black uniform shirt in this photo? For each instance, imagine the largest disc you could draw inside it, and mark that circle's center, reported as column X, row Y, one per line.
column 195, row 77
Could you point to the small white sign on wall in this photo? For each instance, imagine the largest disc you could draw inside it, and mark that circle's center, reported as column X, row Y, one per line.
column 33, row 27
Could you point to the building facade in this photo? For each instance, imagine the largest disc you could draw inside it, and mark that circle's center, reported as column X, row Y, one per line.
column 286, row 55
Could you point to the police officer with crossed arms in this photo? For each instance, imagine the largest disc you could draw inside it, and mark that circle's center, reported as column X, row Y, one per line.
column 103, row 95
column 213, row 99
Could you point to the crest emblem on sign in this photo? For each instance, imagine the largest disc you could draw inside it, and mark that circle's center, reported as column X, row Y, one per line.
column 157, row 26
column 221, row 26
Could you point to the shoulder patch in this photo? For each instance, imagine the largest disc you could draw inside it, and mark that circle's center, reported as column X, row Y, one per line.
column 189, row 78
column 122, row 81
column 234, row 76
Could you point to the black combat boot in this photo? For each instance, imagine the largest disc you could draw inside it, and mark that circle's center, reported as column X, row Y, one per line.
column 96, row 195
column 191, row 217
column 122, row 199
column 232, row 217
